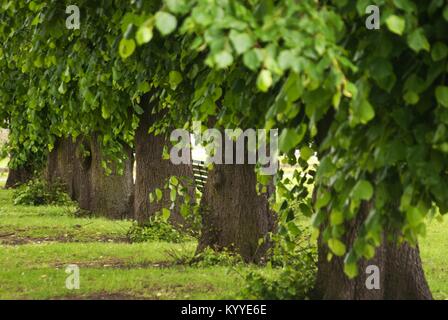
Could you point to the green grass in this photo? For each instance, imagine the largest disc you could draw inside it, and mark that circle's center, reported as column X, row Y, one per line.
column 4, row 163
column 104, row 283
column 37, row 243
column 54, row 223
column 434, row 253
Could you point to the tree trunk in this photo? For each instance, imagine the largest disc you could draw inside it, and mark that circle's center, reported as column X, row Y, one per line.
column 78, row 165
column 400, row 270
column 67, row 167
column 234, row 215
column 19, row 176
column 153, row 171
column 112, row 195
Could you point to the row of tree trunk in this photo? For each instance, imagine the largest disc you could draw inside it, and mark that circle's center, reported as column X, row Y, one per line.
column 78, row 164
column 234, row 215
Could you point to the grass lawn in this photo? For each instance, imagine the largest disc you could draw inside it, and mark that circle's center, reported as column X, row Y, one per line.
column 434, row 253
column 37, row 243
column 4, row 163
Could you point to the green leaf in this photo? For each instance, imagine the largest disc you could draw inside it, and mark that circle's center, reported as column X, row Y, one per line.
column 175, row 78
column 417, row 40
column 323, row 199
column 442, row 95
column 126, row 48
column 406, row 5
column 241, row 41
column 223, row 59
column 144, row 87
column 383, row 73
column 144, row 34
column 293, row 229
column 159, row 194
column 105, row 113
column 287, row 59
column 165, row 214
column 174, row 181
column 306, row 153
column 264, row 80
column 62, row 88
column 395, row 24
column 364, row 111
column 184, row 210
column 351, row 270
column 177, row 6
column 336, row 217
column 411, row 97
column 290, row 138
column 337, row 247
column 326, row 168
column 306, row 210
column 362, row 190
column 369, row 251
column 350, row 265
column 173, row 195
column 139, row 110
column 439, row 51
column 414, row 216
column 165, row 22
column 252, row 60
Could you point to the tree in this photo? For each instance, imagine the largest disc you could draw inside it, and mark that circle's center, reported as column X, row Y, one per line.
column 387, row 160
column 382, row 154
column 153, row 170
column 48, row 108
column 234, row 216
column 79, row 165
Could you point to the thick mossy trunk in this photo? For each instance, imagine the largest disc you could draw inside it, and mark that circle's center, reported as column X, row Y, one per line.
column 234, row 215
column 401, row 274
column 19, row 176
column 65, row 165
column 152, row 171
column 78, row 165
column 112, row 195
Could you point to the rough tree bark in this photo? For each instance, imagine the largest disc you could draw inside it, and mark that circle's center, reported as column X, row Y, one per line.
column 19, row 176
column 153, row 171
column 65, row 165
column 234, row 215
column 401, row 272
column 86, row 181
column 112, row 195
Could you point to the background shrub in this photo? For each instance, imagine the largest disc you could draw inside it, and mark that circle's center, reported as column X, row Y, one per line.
column 39, row 192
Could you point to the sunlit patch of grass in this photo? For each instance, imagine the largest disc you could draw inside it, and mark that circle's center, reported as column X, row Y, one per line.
column 434, row 254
